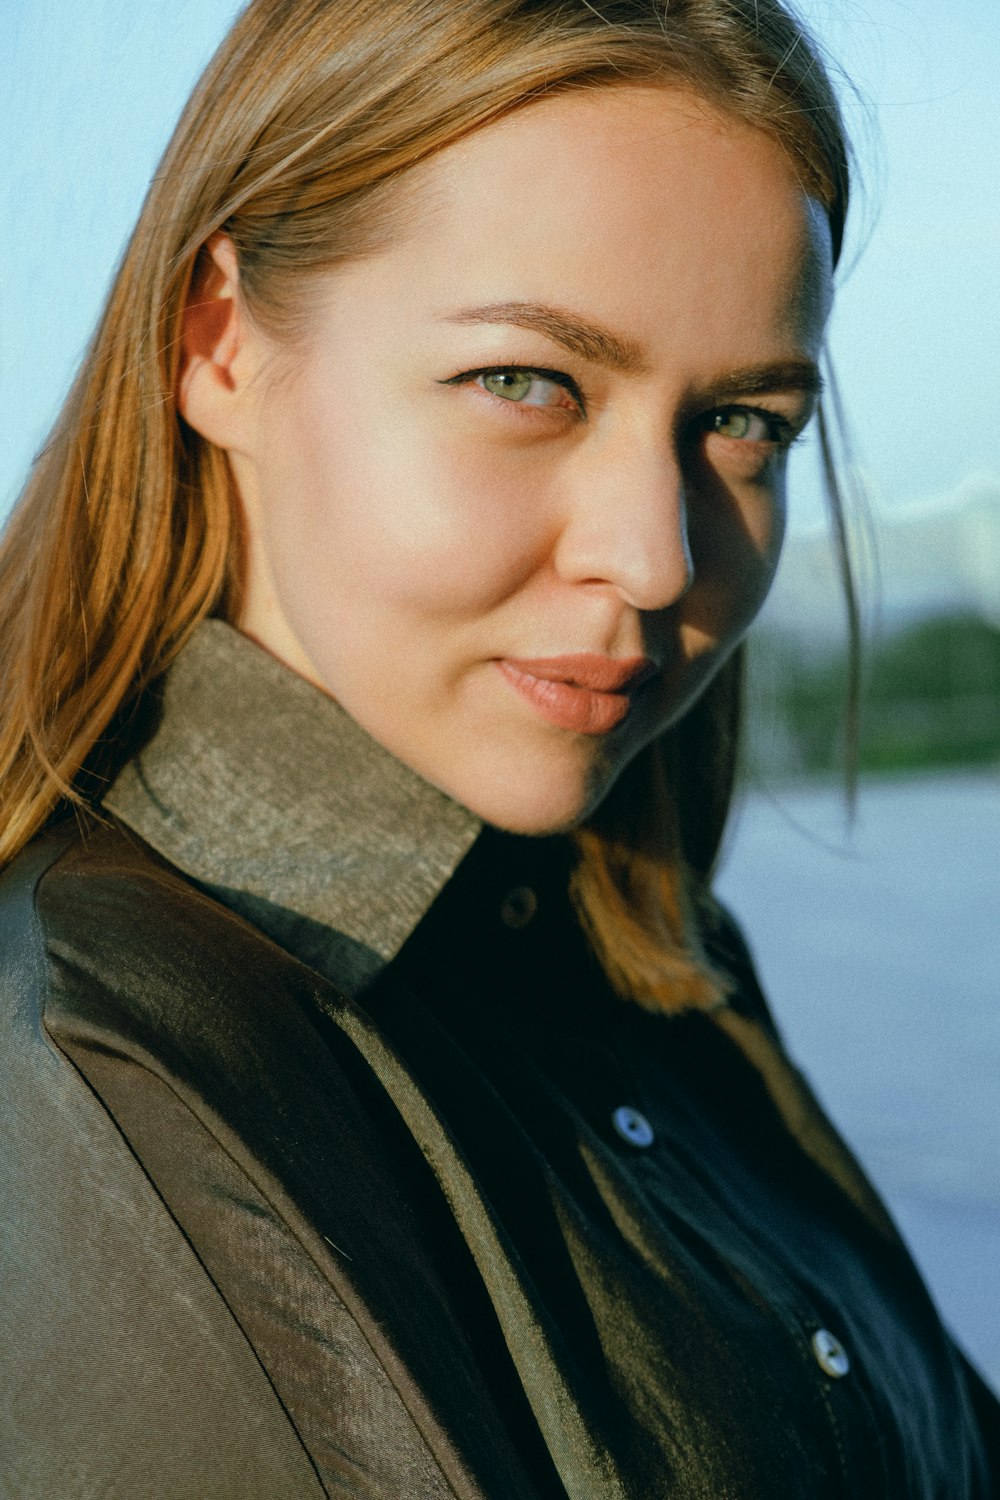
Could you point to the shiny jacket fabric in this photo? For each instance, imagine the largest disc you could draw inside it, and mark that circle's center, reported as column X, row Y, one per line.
column 263, row 1237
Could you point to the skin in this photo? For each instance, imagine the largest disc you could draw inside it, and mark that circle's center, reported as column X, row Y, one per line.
column 412, row 523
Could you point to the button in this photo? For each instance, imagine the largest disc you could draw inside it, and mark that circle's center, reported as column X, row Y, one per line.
column 831, row 1356
column 518, row 906
column 632, row 1126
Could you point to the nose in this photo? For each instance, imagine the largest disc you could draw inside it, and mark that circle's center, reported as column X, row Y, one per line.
column 626, row 526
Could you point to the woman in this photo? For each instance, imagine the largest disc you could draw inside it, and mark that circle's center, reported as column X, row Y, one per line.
column 393, row 1111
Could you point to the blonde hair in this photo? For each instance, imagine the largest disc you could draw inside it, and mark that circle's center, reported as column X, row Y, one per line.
column 127, row 533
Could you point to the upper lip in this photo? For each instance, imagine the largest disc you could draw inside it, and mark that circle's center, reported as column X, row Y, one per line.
column 588, row 669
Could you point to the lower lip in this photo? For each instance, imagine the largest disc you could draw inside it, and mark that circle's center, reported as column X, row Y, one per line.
column 567, row 706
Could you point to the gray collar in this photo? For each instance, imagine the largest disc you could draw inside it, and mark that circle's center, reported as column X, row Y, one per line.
column 263, row 790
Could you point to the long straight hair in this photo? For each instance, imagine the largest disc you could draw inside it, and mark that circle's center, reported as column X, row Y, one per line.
column 296, row 143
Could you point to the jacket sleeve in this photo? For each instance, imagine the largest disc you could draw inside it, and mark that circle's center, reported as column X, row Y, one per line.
column 114, row 1338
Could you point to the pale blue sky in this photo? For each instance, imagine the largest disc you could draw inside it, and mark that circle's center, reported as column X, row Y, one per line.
column 91, row 92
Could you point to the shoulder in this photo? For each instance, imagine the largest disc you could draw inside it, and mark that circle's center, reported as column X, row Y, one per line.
column 100, row 895
column 107, row 944
column 97, row 927
column 91, row 882
column 116, row 963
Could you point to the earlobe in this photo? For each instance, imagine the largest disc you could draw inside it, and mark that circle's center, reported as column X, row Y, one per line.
column 215, row 340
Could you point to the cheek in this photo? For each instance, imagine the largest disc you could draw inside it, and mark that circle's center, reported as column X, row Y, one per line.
column 393, row 506
column 735, row 541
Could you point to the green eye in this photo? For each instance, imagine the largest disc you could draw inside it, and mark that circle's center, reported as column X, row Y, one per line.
column 520, row 385
column 512, row 385
column 742, row 422
column 733, row 424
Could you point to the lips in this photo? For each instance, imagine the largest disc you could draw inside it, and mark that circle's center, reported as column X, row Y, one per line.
column 585, row 692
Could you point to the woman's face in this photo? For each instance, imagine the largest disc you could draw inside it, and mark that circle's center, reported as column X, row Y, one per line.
column 521, row 490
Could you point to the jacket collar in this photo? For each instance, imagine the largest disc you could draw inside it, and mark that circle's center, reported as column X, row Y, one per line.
column 264, row 791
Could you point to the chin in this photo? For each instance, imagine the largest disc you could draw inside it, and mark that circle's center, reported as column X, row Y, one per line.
column 532, row 824
column 535, row 807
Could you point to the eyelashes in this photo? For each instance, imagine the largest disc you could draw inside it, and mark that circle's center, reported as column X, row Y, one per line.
column 534, row 391
column 748, row 422
column 530, row 388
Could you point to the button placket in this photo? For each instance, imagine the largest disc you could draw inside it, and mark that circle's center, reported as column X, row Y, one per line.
column 629, row 1123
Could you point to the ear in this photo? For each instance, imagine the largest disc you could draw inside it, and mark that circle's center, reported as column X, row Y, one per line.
column 220, row 351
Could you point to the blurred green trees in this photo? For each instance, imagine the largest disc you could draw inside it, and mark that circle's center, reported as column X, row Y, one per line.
column 931, row 698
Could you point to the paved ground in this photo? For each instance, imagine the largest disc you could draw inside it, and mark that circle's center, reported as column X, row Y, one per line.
column 880, row 952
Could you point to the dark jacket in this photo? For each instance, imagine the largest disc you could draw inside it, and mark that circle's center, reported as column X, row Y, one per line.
column 265, row 1237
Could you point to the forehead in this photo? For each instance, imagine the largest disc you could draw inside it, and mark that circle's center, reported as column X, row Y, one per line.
column 638, row 200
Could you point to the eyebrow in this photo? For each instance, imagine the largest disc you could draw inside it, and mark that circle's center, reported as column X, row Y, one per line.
column 588, row 340
column 762, row 380
column 598, row 345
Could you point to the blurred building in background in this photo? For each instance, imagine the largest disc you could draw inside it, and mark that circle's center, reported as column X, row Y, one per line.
column 930, row 590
